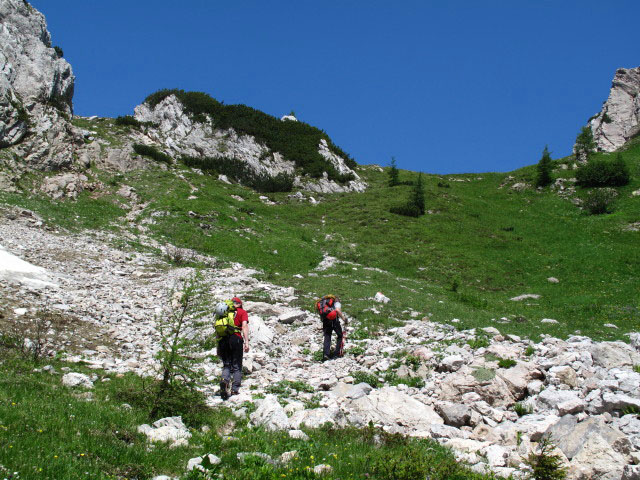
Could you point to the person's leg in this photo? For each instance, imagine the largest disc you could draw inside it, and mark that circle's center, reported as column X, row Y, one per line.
column 327, row 330
column 236, row 362
column 224, row 352
column 339, row 337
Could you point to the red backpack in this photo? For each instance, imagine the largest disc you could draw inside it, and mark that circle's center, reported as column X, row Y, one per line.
column 326, row 307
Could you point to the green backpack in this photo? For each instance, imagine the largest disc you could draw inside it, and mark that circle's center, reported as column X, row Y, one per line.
column 225, row 324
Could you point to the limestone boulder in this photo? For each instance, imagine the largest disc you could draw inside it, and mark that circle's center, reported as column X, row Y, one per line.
column 270, row 414
column 73, row 380
column 518, row 377
column 390, row 406
column 614, row 355
column 317, row 417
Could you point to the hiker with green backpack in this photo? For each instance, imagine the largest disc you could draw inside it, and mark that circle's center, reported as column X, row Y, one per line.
column 232, row 331
column 330, row 311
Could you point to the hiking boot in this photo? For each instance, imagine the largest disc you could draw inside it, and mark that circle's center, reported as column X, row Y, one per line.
column 234, row 392
column 325, row 358
column 224, row 389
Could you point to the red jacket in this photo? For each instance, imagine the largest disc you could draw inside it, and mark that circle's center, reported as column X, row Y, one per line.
column 241, row 316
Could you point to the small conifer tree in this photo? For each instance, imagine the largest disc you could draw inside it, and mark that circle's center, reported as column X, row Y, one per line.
column 393, row 173
column 179, row 341
column 585, row 145
column 544, row 169
column 417, row 196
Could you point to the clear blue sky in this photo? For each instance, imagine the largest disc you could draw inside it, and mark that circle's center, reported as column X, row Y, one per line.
column 445, row 87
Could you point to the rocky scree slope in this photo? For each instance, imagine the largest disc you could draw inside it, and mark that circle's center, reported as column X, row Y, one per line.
column 424, row 379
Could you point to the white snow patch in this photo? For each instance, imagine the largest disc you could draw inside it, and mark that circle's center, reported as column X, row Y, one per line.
column 13, row 268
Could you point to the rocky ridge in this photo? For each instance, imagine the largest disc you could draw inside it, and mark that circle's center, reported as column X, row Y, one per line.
column 37, row 133
column 430, row 379
column 619, row 119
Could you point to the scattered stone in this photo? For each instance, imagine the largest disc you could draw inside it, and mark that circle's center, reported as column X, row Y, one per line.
column 76, row 380
column 202, row 463
column 322, row 469
column 525, row 296
column 381, row 298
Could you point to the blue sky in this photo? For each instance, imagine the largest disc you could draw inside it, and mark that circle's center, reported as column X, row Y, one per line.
column 445, row 87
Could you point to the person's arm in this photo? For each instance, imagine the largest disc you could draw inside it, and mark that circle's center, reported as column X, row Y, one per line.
column 343, row 317
column 245, row 335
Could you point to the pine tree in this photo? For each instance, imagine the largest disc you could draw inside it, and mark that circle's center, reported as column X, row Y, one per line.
column 585, row 145
column 417, row 196
column 393, row 173
column 544, row 169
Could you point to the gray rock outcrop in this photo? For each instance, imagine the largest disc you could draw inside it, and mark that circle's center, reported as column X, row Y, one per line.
column 180, row 134
column 36, row 89
column 619, row 118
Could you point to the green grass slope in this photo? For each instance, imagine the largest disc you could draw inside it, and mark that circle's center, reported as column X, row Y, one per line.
column 481, row 244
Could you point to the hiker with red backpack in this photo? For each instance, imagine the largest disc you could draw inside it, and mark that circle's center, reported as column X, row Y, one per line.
column 330, row 311
column 232, row 330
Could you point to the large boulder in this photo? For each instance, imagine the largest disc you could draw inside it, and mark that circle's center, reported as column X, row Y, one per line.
column 260, row 332
column 614, row 355
column 389, row 406
column 518, row 377
column 597, row 459
column 317, row 417
column 494, row 391
column 569, row 435
column 270, row 414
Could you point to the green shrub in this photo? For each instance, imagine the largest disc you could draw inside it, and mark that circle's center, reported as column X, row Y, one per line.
column 630, row 410
column 241, row 172
column 544, row 464
column 506, row 363
column 59, row 51
column 529, row 350
column 296, row 141
column 152, row 152
column 405, row 459
column 606, row 118
column 636, row 368
column 522, row 409
column 356, row 350
column 128, row 121
column 407, row 210
column 365, row 377
column 599, row 201
column 483, row 374
column 481, row 341
column 603, row 173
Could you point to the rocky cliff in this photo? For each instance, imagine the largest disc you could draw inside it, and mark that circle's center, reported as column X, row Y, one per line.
column 619, row 119
column 36, row 90
column 36, row 130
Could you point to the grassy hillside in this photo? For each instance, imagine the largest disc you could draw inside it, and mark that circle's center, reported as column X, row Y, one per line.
column 92, row 435
column 481, row 244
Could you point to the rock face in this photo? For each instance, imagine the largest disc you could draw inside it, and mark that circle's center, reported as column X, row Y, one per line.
column 619, row 118
column 181, row 135
column 36, row 88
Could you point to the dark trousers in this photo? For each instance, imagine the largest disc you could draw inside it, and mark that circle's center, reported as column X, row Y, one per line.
column 230, row 351
column 328, row 327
